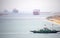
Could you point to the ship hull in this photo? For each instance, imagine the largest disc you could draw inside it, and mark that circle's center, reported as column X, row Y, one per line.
column 44, row 32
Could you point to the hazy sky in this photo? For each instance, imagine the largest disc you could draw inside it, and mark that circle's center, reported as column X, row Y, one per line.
column 29, row 5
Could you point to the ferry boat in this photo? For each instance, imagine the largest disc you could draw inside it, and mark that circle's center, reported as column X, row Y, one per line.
column 45, row 30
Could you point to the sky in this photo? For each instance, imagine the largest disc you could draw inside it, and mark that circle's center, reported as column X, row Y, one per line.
column 30, row 5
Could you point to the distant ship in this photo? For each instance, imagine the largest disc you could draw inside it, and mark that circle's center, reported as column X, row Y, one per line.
column 2, row 14
column 36, row 12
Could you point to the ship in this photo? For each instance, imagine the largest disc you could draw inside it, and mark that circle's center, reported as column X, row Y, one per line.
column 45, row 30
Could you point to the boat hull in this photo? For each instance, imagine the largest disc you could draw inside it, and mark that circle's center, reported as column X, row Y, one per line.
column 44, row 32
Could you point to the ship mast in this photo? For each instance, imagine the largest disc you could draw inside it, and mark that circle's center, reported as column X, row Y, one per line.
column 52, row 26
column 45, row 26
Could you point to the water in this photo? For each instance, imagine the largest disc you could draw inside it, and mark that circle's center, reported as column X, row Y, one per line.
column 20, row 27
column 30, row 36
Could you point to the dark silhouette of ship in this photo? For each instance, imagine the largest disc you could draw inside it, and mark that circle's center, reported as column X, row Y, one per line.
column 45, row 30
column 36, row 12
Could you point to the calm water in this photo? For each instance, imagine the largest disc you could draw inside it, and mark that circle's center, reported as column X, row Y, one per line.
column 20, row 27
